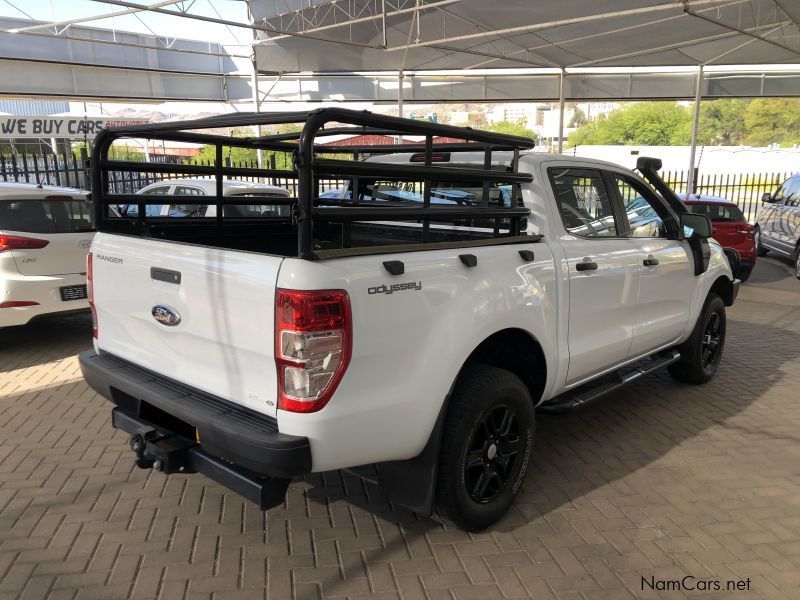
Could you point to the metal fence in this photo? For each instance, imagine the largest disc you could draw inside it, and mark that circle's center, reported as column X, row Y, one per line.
column 745, row 189
column 49, row 169
column 65, row 169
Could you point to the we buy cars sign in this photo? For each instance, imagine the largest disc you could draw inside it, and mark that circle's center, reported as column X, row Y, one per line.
column 16, row 127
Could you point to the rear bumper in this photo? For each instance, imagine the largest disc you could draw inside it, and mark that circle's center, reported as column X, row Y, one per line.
column 226, row 430
column 43, row 289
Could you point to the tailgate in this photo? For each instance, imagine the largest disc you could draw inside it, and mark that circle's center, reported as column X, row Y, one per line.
column 223, row 341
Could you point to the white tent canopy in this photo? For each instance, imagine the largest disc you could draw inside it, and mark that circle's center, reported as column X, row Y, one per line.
column 414, row 35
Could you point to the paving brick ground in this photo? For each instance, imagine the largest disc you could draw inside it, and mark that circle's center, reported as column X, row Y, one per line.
column 660, row 481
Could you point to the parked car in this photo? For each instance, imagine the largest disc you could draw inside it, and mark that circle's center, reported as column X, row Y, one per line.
column 383, row 333
column 45, row 234
column 176, row 189
column 730, row 228
column 778, row 222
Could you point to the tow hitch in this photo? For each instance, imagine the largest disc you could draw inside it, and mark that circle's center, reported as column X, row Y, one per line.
column 165, row 452
column 168, row 452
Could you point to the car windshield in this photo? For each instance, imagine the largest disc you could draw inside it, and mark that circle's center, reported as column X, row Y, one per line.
column 717, row 212
column 50, row 215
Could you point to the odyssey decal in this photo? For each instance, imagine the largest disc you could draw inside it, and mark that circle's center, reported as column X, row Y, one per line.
column 395, row 287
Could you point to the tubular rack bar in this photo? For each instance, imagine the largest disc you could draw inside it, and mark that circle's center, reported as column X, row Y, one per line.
column 308, row 167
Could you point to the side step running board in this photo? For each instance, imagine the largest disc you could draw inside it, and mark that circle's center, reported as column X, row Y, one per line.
column 591, row 391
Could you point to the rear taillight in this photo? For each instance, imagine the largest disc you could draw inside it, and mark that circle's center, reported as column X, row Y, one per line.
column 16, row 242
column 747, row 230
column 313, row 338
column 90, row 293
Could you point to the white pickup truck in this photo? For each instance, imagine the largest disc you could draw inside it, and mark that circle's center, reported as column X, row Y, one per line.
column 383, row 328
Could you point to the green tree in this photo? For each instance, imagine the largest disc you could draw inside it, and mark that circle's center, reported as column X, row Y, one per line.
column 722, row 122
column 513, row 128
column 772, row 121
column 642, row 123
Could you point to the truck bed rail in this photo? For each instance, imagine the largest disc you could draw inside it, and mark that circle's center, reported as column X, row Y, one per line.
column 312, row 217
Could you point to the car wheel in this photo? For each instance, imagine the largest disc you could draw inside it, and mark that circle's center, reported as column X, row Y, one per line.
column 486, row 447
column 797, row 262
column 744, row 274
column 760, row 250
column 701, row 353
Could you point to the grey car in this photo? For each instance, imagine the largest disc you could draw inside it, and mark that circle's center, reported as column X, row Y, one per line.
column 777, row 227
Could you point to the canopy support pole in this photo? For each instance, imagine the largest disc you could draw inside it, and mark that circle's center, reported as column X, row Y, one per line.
column 257, row 108
column 400, row 93
column 561, row 113
column 690, row 181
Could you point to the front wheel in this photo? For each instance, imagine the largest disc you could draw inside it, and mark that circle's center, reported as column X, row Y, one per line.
column 701, row 353
column 486, row 447
column 797, row 262
column 760, row 250
column 744, row 273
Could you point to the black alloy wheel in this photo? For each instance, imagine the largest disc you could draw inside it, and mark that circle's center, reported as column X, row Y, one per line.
column 712, row 338
column 491, row 455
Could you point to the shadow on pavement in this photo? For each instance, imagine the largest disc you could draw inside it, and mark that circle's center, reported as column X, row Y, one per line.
column 44, row 340
column 609, row 440
column 771, row 269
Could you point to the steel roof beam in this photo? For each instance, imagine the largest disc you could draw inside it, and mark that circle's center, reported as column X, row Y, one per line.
column 674, row 5
column 75, row 21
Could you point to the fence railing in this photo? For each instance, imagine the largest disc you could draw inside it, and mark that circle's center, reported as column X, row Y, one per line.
column 745, row 189
column 69, row 169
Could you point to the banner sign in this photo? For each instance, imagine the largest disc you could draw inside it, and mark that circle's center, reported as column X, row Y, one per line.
column 16, row 127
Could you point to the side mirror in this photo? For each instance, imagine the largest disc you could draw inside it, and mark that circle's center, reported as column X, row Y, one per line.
column 767, row 197
column 695, row 225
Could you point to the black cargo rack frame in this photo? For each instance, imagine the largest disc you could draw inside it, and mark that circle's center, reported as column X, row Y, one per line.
column 308, row 166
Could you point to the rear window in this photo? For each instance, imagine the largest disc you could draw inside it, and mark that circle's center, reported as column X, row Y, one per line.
column 63, row 215
column 717, row 212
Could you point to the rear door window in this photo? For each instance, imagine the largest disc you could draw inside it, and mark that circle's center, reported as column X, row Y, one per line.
column 188, row 210
column 717, row 212
column 62, row 215
column 583, row 200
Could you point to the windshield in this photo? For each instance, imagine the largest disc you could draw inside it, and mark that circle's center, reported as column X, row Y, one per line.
column 717, row 212
column 50, row 215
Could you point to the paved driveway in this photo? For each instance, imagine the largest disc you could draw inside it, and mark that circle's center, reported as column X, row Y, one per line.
column 659, row 481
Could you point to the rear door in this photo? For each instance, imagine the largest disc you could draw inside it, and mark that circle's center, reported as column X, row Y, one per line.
column 64, row 222
column 602, row 269
column 221, row 336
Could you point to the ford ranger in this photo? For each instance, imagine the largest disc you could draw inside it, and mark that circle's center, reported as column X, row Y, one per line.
column 416, row 322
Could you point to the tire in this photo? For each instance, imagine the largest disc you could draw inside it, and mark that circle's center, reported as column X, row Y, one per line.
column 744, row 274
column 760, row 250
column 490, row 415
column 696, row 365
column 797, row 262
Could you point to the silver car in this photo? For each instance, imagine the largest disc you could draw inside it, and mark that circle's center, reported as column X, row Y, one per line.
column 777, row 227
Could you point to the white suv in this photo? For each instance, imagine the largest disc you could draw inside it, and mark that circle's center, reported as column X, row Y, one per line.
column 177, row 189
column 45, row 234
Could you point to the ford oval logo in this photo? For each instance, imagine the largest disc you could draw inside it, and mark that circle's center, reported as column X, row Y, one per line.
column 166, row 315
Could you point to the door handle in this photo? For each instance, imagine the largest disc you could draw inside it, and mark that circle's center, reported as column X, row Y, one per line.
column 650, row 261
column 586, row 265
